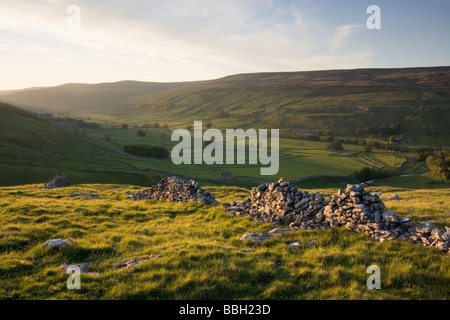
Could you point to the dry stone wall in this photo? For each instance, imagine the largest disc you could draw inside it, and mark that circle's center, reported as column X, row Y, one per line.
column 352, row 208
column 282, row 203
column 175, row 190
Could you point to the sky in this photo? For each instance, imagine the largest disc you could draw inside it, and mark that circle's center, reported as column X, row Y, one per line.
column 47, row 43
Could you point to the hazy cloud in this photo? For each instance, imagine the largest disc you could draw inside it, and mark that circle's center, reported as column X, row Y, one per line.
column 342, row 34
column 175, row 40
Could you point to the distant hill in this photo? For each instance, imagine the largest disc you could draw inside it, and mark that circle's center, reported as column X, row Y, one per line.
column 276, row 97
column 247, row 93
column 336, row 100
column 7, row 109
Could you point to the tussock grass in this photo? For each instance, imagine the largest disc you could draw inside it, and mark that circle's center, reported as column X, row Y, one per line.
column 201, row 250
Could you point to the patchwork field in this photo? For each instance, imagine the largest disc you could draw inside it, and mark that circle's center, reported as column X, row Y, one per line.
column 33, row 150
column 298, row 158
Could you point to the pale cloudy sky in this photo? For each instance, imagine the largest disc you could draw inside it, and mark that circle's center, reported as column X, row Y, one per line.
column 183, row 40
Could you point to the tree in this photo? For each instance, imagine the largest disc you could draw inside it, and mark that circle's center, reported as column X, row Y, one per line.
column 377, row 145
column 368, row 148
column 141, row 133
column 156, row 125
column 391, row 139
column 146, row 151
column 437, row 161
column 367, row 173
column 209, row 125
column 361, row 142
column 124, row 126
column 336, row 146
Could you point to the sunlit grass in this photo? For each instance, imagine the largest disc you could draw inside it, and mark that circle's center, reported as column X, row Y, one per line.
column 201, row 250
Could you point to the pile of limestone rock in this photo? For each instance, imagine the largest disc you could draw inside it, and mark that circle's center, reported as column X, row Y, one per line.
column 282, row 203
column 57, row 182
column 352, row 208
column 175, row 190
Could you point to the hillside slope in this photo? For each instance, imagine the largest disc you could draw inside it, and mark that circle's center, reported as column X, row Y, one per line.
column 33, row 150
column 336, row 100
column 76, row 97
column 307, row 91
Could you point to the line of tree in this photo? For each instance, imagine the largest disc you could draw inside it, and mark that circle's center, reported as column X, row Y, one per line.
column 75, row 122
column 155, row 125
column 146, row 151
column 393, row 128
column 367, row 173
column 375, row 144
column 437, row 159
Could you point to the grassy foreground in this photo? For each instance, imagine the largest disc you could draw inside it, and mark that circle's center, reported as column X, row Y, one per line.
column 201, row 250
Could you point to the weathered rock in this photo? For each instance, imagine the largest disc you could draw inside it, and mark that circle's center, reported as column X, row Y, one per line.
column 14, row 229
column 57, row 243
column 389, row 216
column 84, row 268
column 437, row 234
column 424, row 228
column 443, row 246
column 279, row 231
column 352, row 208
column 256, row 236
column 275, row 230
column 446, row 234
column 294, row 244
column 393, row 197
column 135, row 262
column 85, row 194
column 175, row 190
column 119, row 265
column 154, row 256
